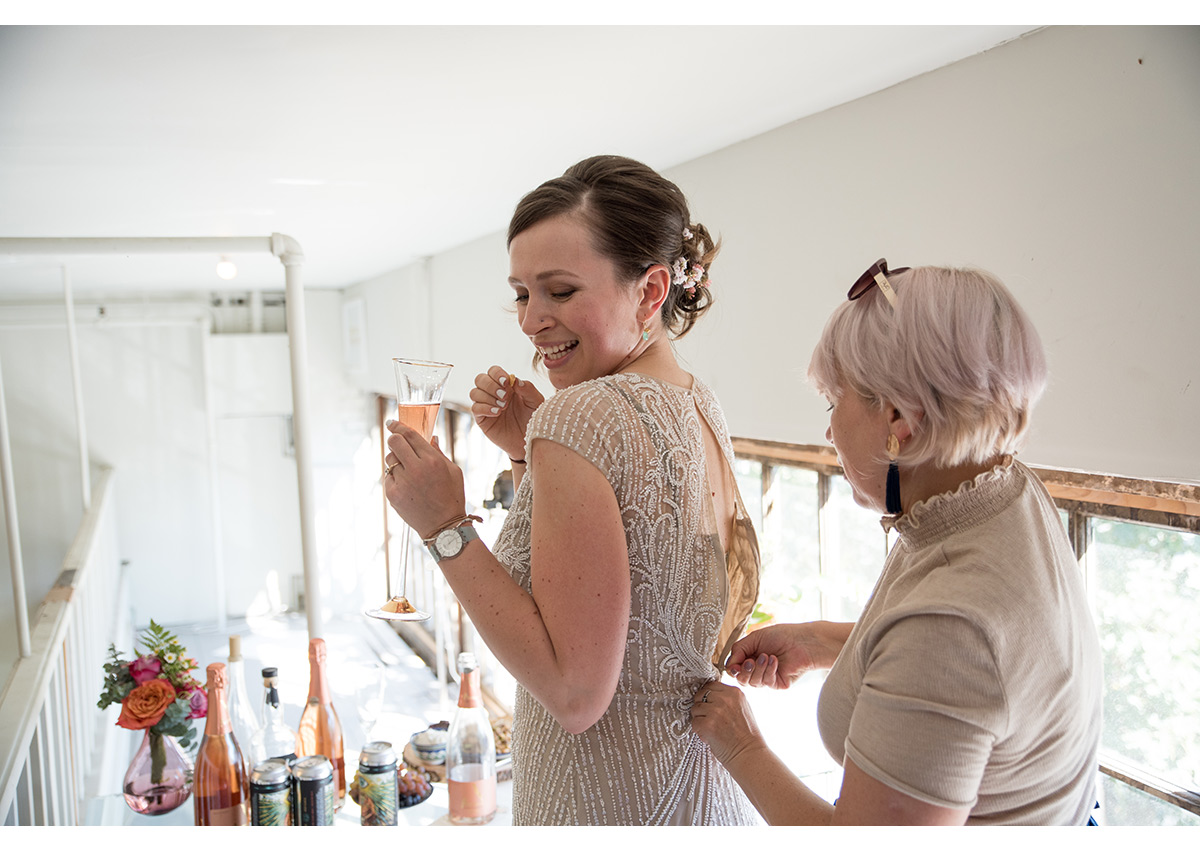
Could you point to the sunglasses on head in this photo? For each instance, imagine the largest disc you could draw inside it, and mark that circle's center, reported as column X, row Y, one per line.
column 876, row 274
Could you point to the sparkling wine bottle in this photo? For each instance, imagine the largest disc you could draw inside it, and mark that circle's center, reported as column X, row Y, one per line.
column 320, row 730
column 220, row 789
column 471, row 752
column 241, row 711
column 273, row 739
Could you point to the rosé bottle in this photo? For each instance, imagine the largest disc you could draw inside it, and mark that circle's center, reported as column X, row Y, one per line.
column 471, row 752
column 221, row 790
column 320, row 730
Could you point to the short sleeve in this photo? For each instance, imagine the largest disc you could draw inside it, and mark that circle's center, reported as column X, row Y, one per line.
column 931, row 708
column 588, row 419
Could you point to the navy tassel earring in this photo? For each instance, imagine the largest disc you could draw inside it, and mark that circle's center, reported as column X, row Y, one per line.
column 893, row 476
column 893, row 489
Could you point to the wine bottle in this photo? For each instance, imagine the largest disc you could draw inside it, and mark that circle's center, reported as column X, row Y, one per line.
column 273, row 739
column 241, row 711
column 471, row 752
column 220, row 787
column 320, row 730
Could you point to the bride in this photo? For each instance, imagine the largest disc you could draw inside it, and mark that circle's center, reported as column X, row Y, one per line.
column 627, row 566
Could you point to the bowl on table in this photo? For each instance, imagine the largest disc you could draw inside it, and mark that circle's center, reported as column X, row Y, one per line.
column 430, row 745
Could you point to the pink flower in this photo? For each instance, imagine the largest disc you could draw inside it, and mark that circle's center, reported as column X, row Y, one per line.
column 199, row 703
column 145, row 668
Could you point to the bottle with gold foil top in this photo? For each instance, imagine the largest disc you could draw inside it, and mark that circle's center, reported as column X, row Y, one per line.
column 320, row 730
column 221, row 790
column 471, row 752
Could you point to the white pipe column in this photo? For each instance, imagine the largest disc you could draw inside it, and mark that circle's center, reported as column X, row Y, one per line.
column 20, row 606
column 214, row 476
column 85, row 467
column 288, row 252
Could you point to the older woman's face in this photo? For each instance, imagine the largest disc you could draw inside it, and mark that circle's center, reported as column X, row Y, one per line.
column 858, row 431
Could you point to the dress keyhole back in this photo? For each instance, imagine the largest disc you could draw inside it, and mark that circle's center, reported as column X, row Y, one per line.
column 721, row 489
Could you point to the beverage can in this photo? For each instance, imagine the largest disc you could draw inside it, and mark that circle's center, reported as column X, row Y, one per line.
column 271, row 794
column 378, row 793
column 312, row 791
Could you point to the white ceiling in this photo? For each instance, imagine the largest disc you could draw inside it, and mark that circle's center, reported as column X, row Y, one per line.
column 374, row 146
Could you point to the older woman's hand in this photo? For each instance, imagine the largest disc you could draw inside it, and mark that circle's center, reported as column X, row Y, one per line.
column 423, row 485
column 721, row 716
column 776, row 656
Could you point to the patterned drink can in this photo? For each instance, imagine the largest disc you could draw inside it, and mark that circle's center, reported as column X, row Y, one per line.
column 271, row 794
column 378, row 794
column 312, row 791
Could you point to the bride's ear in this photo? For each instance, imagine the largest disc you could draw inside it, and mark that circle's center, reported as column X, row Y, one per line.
column 654, row 286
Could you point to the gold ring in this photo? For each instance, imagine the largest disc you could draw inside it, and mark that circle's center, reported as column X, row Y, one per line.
column 387, row 471
column 705, row 698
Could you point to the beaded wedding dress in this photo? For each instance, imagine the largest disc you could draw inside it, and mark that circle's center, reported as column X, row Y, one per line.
column 641, row 764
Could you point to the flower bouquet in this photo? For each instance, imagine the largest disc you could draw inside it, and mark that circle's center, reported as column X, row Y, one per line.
column 157, row 694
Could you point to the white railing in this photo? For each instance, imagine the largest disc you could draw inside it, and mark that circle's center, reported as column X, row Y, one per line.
column 49, row 723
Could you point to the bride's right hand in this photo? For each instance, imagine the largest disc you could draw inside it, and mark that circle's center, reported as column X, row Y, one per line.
column 502, row 408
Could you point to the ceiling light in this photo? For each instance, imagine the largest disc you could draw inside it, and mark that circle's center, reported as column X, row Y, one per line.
column 226, row 270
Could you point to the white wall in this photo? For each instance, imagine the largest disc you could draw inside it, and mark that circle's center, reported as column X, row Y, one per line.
column 1060, row 162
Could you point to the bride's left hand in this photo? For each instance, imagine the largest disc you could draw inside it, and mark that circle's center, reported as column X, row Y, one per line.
column 424, row 486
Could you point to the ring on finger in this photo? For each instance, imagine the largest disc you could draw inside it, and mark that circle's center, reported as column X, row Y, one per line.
column 387, row 471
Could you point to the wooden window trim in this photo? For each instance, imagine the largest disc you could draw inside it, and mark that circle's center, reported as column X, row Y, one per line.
column 1166, row 503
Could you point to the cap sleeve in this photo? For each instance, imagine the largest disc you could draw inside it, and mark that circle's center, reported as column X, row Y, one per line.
column 588, row 419
column 926, row 720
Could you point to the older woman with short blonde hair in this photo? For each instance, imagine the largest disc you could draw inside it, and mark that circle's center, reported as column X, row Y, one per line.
column 969, row 690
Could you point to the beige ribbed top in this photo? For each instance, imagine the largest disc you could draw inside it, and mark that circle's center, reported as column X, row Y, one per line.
column 973, row 677
column 641, row 763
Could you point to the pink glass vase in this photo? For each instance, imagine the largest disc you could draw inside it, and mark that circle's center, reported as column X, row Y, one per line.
column 160, row 777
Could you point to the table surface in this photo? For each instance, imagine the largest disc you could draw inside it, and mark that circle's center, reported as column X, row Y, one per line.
column 361, row 654
column 433, row 811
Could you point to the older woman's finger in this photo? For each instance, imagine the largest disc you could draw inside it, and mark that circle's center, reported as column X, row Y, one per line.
column 771, row 672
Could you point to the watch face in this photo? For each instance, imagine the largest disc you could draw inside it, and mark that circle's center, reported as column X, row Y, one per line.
column 449, row 543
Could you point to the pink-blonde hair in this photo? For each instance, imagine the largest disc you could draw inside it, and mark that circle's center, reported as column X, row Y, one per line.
column 957, row 347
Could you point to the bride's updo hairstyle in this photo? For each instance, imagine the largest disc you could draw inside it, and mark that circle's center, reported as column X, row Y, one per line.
column 637, row 218
column 957, row 347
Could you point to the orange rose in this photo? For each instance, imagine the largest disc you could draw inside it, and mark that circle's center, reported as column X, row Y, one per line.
column 145, row 705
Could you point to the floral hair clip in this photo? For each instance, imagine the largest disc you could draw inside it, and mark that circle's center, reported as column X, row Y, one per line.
column 688, row 277
column 687, row 234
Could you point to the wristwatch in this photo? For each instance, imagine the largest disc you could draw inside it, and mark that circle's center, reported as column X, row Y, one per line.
column 450, row 542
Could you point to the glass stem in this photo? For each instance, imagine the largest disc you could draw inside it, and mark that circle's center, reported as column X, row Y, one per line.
column 404, row 545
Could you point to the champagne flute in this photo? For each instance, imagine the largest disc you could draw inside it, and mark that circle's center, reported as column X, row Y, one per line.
column 419, row 386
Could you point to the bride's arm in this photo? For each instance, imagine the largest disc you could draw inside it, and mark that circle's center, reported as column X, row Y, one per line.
column 564, row 643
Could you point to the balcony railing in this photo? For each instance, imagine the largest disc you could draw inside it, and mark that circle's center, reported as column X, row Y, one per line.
column 51, row 736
